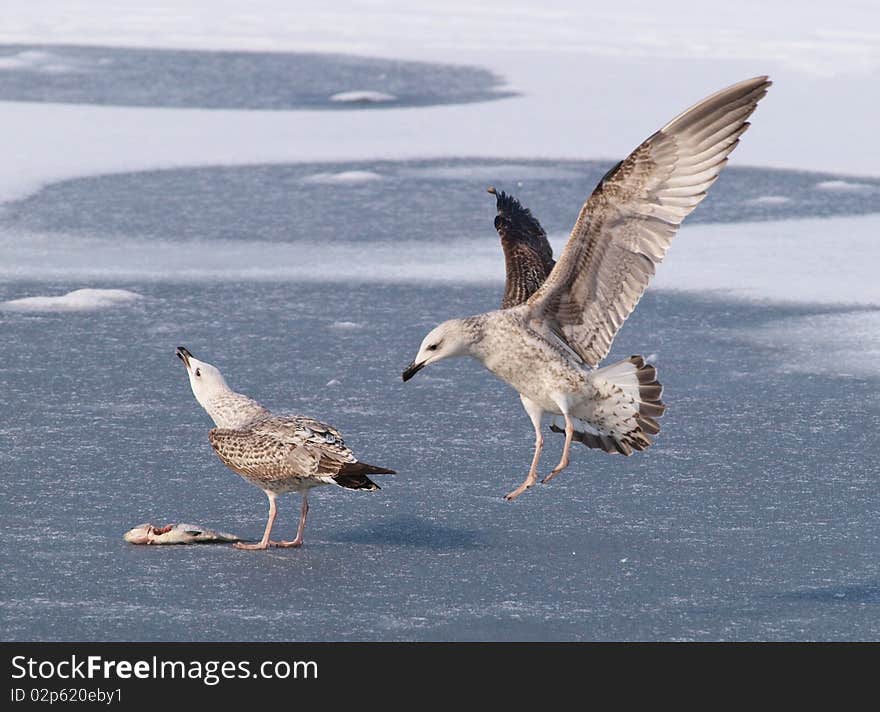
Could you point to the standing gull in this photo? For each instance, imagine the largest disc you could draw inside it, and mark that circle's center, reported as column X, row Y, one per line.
column 549, row 348
column 277, row 453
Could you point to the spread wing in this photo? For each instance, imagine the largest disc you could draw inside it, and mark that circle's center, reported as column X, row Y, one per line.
column 528, row 256
column 626, row 225
column 279, row 448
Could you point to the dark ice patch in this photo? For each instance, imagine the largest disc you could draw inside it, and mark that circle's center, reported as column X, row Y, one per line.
column 172, row 78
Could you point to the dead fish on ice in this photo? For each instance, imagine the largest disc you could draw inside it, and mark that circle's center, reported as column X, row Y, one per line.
column 176, row 534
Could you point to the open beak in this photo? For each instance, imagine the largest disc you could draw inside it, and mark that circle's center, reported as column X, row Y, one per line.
column 412, row 370
column 184, row 355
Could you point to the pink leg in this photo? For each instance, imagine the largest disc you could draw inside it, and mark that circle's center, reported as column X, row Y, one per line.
column 300, row 529
column 563, row 463
column 264, row 542
column 535, row 414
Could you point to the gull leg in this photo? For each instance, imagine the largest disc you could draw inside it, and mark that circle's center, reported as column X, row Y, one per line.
column 300, row 529
column 264, row 542
column 563, row 462
column 535, row 412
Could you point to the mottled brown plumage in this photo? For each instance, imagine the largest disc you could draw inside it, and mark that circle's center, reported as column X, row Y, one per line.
column 291, row 454
column 528, row 257
column 277, row 453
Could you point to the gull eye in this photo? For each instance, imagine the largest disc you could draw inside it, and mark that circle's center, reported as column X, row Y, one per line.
column 433, row 347
column 198, row 373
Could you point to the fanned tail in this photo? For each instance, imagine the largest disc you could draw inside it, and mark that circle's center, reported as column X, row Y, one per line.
column 626, row 415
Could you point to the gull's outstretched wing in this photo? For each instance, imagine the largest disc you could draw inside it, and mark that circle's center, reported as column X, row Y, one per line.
column 626, row 225
column 528, row 257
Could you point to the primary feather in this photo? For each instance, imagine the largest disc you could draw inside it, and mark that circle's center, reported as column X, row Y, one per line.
column 627, row 224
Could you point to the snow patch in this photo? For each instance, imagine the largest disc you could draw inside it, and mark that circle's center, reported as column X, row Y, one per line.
column 769, row 200
column 811, row 261
column 77, row 301
column 346, row 325
column 343, row 178
column 35, row 61
column 791, row 261
column 362, row 97
column 844, row 345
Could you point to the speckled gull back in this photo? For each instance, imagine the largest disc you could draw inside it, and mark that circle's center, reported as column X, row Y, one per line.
column 283, row 453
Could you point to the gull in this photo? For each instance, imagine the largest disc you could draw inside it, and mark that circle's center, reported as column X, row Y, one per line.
column 549, row 348
column 277, row 453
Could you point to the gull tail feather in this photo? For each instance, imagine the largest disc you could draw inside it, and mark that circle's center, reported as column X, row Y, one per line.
column 353, row 475
column 626, row 416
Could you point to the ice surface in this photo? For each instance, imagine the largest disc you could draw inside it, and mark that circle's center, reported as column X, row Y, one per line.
column 113, row 76
column 806, row 261
column 754, row 516
column 78, row 300
column 592, row 81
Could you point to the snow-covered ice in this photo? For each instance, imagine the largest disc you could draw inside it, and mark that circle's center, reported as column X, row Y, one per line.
column 76, row 301
column 592, row 81
column 813, row 261
column 838, row 344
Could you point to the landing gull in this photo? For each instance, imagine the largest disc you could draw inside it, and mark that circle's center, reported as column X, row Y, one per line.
column 549, row 348
column 277, row 453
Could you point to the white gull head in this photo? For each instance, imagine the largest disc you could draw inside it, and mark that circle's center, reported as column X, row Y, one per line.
column 455, row 337
column 227, row 408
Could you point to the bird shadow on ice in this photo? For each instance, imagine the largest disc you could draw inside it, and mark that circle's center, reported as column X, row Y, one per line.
column 411, row 531
column 853, row 593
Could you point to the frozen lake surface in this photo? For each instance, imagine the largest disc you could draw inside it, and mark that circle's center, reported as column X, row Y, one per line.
column 754, row 515
column 201, row 79
column 390, row 201
column 301, row 217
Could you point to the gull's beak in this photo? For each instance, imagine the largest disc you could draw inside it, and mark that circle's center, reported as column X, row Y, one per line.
column 412, row 370
column 184, row 355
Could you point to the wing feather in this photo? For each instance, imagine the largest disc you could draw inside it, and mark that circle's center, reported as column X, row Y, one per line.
column 278, row 448
column 626, row 226
column 528, row 257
